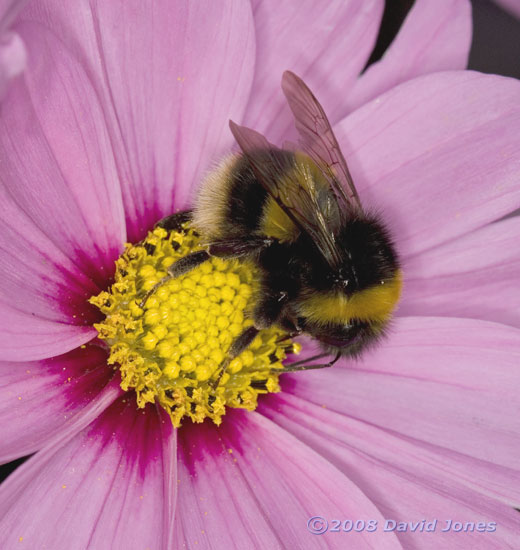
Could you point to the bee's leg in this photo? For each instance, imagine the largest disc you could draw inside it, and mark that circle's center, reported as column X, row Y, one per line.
column 180, row 267
column 174, row 221
column 287, row 336
column 222, row 249
column 301, row 365
column 291, row 325
column 237, row 347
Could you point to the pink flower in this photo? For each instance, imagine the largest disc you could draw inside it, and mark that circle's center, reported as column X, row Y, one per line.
column 122, row 108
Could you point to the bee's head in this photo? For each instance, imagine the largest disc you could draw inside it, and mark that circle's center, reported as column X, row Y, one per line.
column 367, row 259
column 347, row 307
column 368, row 253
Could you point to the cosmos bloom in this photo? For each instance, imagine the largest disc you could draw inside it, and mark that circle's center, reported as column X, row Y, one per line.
column 122, row 108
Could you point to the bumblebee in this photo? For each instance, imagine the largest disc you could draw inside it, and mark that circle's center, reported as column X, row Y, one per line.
column 327, row 267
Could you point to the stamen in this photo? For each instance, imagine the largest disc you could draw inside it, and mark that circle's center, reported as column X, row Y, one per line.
column 169, row 350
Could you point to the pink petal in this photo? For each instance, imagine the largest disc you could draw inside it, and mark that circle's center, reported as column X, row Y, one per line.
column 434, row 37
column 407, row 481
column 39, row 399
column 58, row 169
column 26, row 338
column 61, row 209
column 9, row 9
column 438, row 155
column 451, row 383
column 169, row 75
column 43, row 296
column 12, row 49
column 474, row 276
column 249, row 484
column 111, row 485
column 13, row 58
column 327, row 46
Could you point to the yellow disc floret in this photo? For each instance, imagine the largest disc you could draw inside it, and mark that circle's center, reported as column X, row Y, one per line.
column 170, row 349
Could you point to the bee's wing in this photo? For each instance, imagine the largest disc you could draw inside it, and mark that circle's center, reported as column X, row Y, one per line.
column 318, row 140
column 313, row 210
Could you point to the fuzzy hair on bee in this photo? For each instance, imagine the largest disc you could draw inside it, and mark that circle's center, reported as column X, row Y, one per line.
column 327, row 267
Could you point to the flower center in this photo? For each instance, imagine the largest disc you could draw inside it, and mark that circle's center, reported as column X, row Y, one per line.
column 170, row 349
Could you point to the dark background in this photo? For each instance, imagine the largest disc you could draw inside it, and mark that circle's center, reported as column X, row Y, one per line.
column 495, row 49
column 496, row 40
column 496, row 36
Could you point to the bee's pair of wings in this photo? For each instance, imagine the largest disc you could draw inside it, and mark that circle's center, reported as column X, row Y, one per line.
column 312, row 209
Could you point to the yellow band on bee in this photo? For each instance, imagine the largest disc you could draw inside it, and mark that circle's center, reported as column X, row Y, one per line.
column 372, row 304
